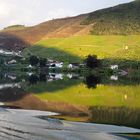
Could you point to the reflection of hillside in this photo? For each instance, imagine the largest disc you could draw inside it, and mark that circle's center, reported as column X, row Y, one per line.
column 32, row 102
column 59, row 81
column 103, row 95
column 72, row 84
column 116, row 116
column 11, row 77
column 11, row 94
column 120, row 116
column 122, row 80
column 52, row 86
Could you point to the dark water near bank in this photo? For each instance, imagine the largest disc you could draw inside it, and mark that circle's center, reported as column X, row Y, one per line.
column 110, row 100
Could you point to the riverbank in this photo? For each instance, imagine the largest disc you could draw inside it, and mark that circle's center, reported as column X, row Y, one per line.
column 36, row 125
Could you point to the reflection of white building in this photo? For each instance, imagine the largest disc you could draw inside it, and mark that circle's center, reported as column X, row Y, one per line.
column 70, row 66
column 50, row 61
column 12, row 62
column 30, row 66
column 59, row 65
column 69, row 76
column 29, row 73
column 73, row 66
column 12, row 77
column 55, row 76
column 3, row 86
column 74, row 76
column 114, row 78
column 123, row 73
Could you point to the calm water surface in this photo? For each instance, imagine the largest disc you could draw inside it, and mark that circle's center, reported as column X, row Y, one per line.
column 112, row 100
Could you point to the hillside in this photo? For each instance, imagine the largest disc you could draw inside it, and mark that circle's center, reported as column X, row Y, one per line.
column 14, row 27
column 67, row 40
column 67, row 26
column 76, row 48
column 122, row 19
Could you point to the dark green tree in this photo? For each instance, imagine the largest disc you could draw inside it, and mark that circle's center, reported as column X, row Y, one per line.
column 34, row 60
column 42, row 62
column 92, row 61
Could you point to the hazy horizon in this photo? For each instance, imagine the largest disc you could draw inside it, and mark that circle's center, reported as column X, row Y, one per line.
column 36, row 11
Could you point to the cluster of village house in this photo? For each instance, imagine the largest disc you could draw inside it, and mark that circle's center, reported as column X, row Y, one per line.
column 10, row 53
column 50, row 76
column 56, row 64
column 50, row 63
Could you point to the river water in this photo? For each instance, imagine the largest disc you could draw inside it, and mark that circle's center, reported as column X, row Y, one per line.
column 69, row 106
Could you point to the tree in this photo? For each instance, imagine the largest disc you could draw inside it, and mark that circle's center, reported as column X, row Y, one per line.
column 42, row 62
column 42, row 77
column 33, row 79
column 34, row 60
column 92, row 61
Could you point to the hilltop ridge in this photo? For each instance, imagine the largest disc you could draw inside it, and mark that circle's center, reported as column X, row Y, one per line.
column 122, row 19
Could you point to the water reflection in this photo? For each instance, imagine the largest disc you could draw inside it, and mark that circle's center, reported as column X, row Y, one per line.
column 33, row 79
column 86, row 98
column 11, row 94
column 92, row 81
column 122, row 116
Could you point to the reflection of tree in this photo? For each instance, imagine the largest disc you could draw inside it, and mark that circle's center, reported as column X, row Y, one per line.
column 34, row 60
column 124, row 116
column 92, row 81
column 92, row 61
column 42, row 62
column 33, row 79
column 11, row 94
column 42, row 77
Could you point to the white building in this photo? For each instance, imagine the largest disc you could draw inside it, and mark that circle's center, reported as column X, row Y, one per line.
column 56, row 65
column 56, row 76
column 113, row 67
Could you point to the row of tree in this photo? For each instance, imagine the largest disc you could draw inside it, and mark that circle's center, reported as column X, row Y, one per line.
column 35, row 61
column 91, row 61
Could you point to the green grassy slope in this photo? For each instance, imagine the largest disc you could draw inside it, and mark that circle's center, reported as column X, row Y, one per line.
column 77, row 48
column 103, row 95
column 121, row 19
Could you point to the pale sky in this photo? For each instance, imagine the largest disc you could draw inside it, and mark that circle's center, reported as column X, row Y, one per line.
column 31, row 12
